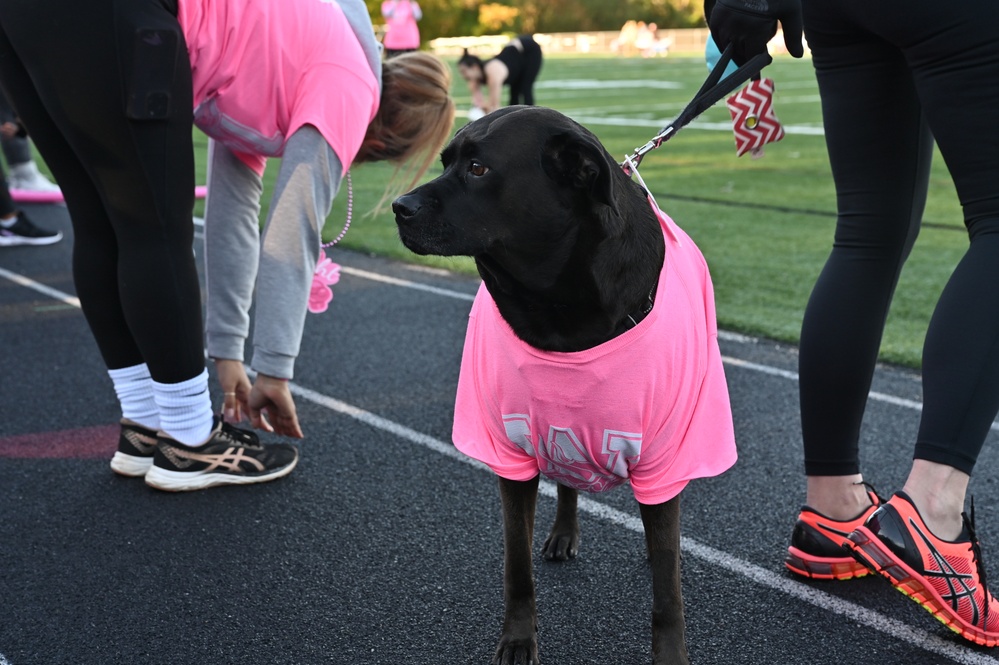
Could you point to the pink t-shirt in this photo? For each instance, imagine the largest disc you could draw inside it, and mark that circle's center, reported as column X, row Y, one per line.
column 264, row 68
column 650, row 406
column 400, row 21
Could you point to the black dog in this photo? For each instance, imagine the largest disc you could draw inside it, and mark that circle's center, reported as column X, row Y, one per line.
column 572, row 252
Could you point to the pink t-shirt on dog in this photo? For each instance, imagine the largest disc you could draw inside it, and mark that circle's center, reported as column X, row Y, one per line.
column 650, row 406
column 261, row 70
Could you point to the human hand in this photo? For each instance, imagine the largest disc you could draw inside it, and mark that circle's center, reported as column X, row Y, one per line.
column 272, row 408
column 749, row 24
column 235, row 388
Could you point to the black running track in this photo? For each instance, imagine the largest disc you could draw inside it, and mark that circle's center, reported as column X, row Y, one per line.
column 384, row 546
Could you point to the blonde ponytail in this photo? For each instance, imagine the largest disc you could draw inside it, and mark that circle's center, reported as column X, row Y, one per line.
column 414, row 118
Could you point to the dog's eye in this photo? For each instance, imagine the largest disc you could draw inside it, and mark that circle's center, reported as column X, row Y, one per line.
column 478, row 170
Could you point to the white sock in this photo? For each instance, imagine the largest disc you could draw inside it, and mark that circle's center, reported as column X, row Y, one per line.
column 24, row 169
column 134, row 388
column 185, row 409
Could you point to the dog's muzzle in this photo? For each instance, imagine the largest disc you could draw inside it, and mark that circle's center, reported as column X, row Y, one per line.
column 406, row 207
column 411, row 221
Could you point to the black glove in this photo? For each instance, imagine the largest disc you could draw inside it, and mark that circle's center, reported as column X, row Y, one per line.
column 749, row 24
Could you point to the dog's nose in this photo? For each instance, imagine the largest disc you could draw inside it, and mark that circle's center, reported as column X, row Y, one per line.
column 406, row 206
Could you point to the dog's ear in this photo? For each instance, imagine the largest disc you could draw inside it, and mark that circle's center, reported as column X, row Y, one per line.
column 578, row 161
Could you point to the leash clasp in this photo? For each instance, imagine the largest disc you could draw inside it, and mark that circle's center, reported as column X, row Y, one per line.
column 712, row 90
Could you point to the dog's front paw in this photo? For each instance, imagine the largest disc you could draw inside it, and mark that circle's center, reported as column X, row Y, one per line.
column 517, row 651
column 562, row 544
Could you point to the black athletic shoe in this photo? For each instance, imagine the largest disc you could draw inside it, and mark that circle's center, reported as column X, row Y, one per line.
column 24, row 232
column 136, row 445
column 232, row 456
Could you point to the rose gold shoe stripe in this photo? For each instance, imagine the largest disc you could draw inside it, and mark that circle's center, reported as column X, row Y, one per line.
column 144, row 443
column 230, row 460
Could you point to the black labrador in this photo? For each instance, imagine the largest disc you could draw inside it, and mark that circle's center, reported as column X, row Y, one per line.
column 571, row 251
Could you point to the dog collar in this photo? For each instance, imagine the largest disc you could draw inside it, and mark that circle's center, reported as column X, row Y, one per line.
column 636, row 317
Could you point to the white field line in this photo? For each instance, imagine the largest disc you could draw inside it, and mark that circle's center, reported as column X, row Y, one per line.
column 597, row 84
column 596, row 120
column 874, row 620
column 626, row 121
column 594, row 117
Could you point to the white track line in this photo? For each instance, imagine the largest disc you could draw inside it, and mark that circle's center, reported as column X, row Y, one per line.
column 406, row 283
column 41, row 288
column 787, row 374
column 891, row 627
column 857, row 613
column 732, row 337
column 395, row 281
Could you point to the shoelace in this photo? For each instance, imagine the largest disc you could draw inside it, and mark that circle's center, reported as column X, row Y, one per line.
column 870, row 488
column 976, row 557
column 241, row 436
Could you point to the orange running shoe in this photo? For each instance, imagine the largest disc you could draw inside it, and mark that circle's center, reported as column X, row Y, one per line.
column 945, row 577
column 818, row 544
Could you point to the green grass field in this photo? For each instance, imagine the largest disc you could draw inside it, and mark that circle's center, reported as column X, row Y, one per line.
column 764, row 225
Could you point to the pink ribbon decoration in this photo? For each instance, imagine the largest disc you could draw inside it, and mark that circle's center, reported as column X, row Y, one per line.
column 327, row 274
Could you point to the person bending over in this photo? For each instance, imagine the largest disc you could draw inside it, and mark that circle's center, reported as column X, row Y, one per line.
column 516, row 66
column 121, row 148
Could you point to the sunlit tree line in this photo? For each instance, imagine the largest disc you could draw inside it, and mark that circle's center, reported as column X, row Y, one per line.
column 456, row 18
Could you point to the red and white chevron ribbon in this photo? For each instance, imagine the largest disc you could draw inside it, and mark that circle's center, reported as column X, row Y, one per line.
column 753, row 117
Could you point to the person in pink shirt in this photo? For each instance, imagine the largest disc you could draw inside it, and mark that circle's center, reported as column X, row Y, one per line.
column 401, row 32
column 107, row 92
column 649, row 407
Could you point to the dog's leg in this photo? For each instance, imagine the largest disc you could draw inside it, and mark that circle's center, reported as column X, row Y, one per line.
column 563, row 540
column 519, row 641
column 662, row 537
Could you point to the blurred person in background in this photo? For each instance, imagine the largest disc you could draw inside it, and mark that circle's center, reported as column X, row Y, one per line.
column 401, row 32
column 121, row 147
column 516, row 66
column 23, row 173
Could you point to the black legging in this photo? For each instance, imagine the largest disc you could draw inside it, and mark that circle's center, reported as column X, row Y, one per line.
column 128, row 184
column 7, row 207
column 524, row 67
column 893, row 76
